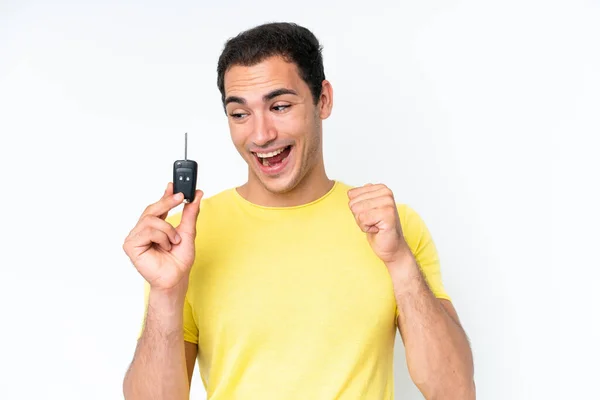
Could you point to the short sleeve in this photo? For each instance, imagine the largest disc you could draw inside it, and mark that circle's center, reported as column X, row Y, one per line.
column 146, row 295
column 190, row 329
column 421, row 243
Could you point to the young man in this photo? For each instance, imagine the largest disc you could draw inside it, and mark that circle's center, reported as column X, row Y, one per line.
column 291, row 285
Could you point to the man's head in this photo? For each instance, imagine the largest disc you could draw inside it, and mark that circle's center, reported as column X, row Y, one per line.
column 275, row 95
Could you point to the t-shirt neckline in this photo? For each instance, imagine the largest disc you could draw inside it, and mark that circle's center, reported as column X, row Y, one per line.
column 241, row 199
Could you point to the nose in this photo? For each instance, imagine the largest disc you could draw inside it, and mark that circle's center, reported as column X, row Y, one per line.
column 264, row 131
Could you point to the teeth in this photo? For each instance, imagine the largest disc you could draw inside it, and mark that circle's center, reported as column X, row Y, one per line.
column 271, row 154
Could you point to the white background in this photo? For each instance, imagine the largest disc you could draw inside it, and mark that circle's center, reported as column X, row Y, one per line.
column 483, row 116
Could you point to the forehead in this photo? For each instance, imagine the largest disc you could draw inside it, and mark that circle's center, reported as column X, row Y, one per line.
column 272, row 73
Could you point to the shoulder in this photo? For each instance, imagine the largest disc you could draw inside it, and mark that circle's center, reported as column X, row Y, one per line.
column 409, row 216
column 417, row 235
column 414, row 227
column 210, row 207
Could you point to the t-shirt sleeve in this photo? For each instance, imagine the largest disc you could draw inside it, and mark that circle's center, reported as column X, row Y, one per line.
column 190, row 329
column 146, row 294
column 421, row 243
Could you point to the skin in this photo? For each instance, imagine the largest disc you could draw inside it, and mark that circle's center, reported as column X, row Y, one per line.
column 162, row 365
column 438, row 353
column 258, row 124
column 269, row 106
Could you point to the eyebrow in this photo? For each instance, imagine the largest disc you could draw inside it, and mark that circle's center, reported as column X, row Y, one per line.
column 269, row 96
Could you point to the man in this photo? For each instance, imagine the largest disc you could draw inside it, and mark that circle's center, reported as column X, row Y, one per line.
column 291, row 285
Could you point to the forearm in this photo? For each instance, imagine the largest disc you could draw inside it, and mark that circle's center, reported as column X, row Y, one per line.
column 158, row 370
column 438, row 353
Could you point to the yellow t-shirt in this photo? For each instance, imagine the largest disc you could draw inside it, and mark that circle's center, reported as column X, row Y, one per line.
column 292, row 303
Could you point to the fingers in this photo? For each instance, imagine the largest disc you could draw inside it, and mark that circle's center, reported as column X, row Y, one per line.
column 372, row 206
column 168, row 192
column 362, row 204
column 369, row 191
column 369, row 219
column 370, row 196
column 149, row 228
column 150, row 235
column 189, row 216
column 169, row 189
column 167, row 202
column 161, row 225
column 369, row 187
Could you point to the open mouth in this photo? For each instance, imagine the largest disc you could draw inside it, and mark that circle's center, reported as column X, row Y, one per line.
column 274, row 159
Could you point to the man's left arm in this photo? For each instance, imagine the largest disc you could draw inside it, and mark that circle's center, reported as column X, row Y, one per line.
column 437, row 349
column 438, row 353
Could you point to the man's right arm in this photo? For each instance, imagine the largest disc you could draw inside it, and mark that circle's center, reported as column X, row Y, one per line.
column 163, row 363
column 163, row 254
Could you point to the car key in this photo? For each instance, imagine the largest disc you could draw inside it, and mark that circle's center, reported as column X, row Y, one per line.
column 185, row 173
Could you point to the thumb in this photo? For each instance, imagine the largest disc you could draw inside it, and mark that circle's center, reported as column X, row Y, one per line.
column 189, row 216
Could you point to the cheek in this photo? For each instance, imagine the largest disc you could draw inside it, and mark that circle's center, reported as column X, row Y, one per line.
column 292, row 128
column 238, row 135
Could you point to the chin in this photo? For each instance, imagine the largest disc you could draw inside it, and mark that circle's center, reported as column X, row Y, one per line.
column 279, row 186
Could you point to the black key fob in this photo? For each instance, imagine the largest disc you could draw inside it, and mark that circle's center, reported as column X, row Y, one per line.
column 185, row 173
column 184, row 178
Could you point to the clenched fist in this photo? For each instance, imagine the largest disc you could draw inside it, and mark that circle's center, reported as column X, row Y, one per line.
column 375, row 212
column 161, row 253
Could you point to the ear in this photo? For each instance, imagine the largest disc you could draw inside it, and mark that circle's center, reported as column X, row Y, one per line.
column 325, row 103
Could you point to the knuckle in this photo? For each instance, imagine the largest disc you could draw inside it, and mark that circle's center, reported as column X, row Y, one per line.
column 148, row 209
column 360, row 217
column 145, row 231
column 166, row 228
column 147, row 220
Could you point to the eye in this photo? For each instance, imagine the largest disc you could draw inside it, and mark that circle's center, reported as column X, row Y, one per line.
column 237, row 115
column 281, row 107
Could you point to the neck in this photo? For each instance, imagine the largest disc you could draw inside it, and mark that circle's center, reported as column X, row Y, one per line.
column 314, row 185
